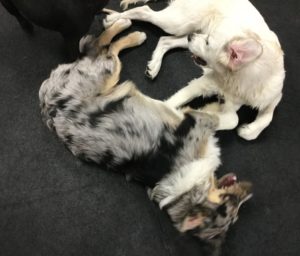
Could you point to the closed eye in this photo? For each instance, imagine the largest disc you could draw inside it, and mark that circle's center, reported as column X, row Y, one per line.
column 207, row 42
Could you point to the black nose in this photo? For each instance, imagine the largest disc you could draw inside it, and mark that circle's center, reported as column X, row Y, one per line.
column 190, row 37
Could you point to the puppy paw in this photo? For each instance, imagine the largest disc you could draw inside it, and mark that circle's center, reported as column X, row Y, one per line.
column 227, row 121
column 124, row 23
column 248, row 132
column 111, row 19
column 125, row 3
column 142, row 37
column 153, row 68
column 138, row 37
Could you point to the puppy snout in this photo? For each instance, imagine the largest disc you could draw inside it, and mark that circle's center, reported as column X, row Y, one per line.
column 190, row 37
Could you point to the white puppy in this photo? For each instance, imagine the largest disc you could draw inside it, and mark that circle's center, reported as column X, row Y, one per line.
column 242, row 57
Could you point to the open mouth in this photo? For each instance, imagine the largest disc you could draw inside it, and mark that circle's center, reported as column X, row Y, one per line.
column 199, row 61
column 227, row 180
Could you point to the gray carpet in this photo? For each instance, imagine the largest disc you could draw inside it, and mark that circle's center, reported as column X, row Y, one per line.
column 53, row 204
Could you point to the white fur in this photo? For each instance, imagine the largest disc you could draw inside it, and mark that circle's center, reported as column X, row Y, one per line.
column 197, row 172
column 255, row 77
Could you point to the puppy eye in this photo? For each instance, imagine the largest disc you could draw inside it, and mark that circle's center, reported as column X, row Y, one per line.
column 207, row 42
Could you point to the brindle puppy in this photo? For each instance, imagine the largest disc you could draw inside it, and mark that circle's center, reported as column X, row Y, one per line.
column 172, row 151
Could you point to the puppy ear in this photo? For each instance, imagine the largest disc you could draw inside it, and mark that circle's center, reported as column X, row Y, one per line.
column 243, row 51
column 191, row 222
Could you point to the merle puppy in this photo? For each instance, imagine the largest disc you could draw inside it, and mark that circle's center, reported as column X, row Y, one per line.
column 71, row 18
column 174, row 152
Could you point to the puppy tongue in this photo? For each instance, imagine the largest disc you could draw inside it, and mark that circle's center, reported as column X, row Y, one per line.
column 227, row 180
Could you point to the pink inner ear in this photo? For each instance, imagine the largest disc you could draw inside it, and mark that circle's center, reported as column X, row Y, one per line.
column 235, row 55
column 191, row 222
column 243, row 51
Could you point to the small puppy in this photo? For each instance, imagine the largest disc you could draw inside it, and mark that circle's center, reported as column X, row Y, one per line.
column 242, row 57
column 173, row 152
column 71, row 18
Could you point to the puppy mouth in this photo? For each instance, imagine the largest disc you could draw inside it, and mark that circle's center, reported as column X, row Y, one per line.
column 230, row 184
column 198, row 60
column 227, row 180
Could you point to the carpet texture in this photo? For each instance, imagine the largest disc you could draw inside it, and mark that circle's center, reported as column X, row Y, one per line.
column 53, row 204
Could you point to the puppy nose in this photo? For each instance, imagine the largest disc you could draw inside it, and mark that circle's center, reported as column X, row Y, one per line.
column 190, row 37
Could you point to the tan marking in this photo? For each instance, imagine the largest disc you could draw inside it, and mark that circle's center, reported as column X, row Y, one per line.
column 106, row 37
column 214, row 194
column 190, row 222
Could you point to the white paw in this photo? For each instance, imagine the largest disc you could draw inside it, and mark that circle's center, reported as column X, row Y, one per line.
column 111, row 19
column 227, row 121
column 141, row 36
column 125, row 3
column 248, row 132
column 153, row 68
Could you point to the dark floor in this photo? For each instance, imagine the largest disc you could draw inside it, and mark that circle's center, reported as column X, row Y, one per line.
column 53, row 204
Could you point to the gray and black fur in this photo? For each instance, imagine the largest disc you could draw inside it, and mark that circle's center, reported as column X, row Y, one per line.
column 116, row 126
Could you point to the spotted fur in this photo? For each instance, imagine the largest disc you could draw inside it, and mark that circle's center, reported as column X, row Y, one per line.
column 172, row 151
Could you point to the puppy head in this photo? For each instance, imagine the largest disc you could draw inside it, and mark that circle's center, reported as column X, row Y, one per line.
column 208, row 214
column 211, row 50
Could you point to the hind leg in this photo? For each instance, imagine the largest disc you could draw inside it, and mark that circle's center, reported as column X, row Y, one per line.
column 263, row 119
column 131, row 40
column 164, row 19
column 106, row 37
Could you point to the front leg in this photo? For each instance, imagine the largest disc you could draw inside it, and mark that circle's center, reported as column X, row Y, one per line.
column 143, row 13
column 165, row 44
column 204, row 86
column 226, row 112
column 263, row 119
column 163, row 19
column 125, row 3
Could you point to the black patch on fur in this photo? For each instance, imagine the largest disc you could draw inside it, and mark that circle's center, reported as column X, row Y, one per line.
column 80, row 72
column 52, row 113
column 72, row 113
column 69, row 139
column 94, row 116
column 66, row 72
column 114, row 106
column 222, row 210
column 107, row 71
column 56, row 95
column 186, row 125
column 62, row 103
column 153, row 166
